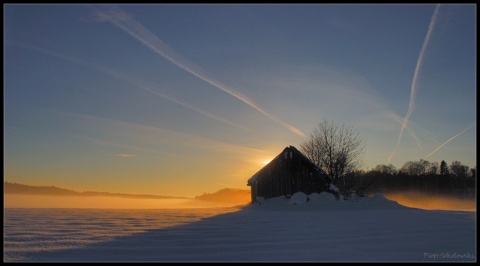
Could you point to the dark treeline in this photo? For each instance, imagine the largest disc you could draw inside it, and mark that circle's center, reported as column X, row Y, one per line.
column 455, row 180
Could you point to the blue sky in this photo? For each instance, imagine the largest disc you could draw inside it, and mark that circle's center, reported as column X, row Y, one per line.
column 183, row 99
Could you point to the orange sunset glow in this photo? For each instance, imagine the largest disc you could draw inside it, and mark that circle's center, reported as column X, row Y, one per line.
column 220, row 132
column 181, row 100
column 432, row 202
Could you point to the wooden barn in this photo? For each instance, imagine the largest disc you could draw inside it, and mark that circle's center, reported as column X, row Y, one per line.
column 289, row 172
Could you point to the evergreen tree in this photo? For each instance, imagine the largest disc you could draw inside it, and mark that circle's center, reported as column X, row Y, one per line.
column 443, row 168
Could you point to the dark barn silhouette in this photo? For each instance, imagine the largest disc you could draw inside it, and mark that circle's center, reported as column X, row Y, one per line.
column 289, row 172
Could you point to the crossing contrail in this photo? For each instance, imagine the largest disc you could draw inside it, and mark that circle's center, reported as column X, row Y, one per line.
column 125, row 22
column 411, row 106
column 450, row 139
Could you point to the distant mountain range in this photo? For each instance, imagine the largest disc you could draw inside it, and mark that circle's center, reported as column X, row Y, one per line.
column 14, row 188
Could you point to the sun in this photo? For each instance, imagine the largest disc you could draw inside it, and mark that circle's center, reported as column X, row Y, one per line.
column 265, row 162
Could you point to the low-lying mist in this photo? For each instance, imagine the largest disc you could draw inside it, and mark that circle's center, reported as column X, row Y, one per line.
column 26, row 196
column 102, row 202
column 221, row 198
column 432, row 201
column 231, row 196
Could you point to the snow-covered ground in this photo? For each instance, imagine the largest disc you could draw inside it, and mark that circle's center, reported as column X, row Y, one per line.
column 313, row 228
column 326, row 201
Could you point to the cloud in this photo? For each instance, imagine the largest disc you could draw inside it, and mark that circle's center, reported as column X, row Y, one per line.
column 122, row 20
column 135, row 137
column 139, row 85
column 146, row 135
column 109, row 143
column 411, row 105
column 124, row 155
column 135, row 82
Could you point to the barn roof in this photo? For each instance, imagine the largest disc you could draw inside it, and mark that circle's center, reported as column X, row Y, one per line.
column 294, row 151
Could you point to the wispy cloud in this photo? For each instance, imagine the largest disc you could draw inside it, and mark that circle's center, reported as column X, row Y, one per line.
column 109, row 143
column 124, row 21
column 411, row 105
column 124, row 155
column 141, row 85
column 450, row 139
column 87, row 122
column 50, row 53
column 131, row 80
column 134, row 137
column 160, row 136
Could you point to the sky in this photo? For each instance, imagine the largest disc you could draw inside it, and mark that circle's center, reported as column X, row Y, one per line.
column 184, row 99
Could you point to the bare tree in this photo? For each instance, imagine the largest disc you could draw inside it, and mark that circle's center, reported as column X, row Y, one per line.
column 385, row 169
column 335, row 148
column 433, row 168
column 412, row 168
column 457, row 169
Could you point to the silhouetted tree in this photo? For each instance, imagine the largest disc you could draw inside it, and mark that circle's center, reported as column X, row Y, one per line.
column 458, row 170
column 411, row 177
column 385, row 169
column 472, row 173
column 471, row 179
column 432, row 168
column 413, row 168
column 443, row 168
column 335, row 148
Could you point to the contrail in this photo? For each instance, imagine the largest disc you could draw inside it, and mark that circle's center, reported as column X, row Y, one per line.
column 122, row 20
column 411, row 106
column 128, row 79
column 399, row 119
column 443, row 144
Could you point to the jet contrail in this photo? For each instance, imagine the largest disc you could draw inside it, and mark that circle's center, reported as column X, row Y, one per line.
column 122, row 20
column 443, row 144
column 411, row 106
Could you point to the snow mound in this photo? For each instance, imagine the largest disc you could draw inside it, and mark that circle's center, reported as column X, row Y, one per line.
column 322, row 197
column 334, row 188
column 298, row 198
column 326, row 201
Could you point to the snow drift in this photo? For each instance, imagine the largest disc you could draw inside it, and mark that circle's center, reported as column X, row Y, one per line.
column 326, row 201
column 302, row 228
